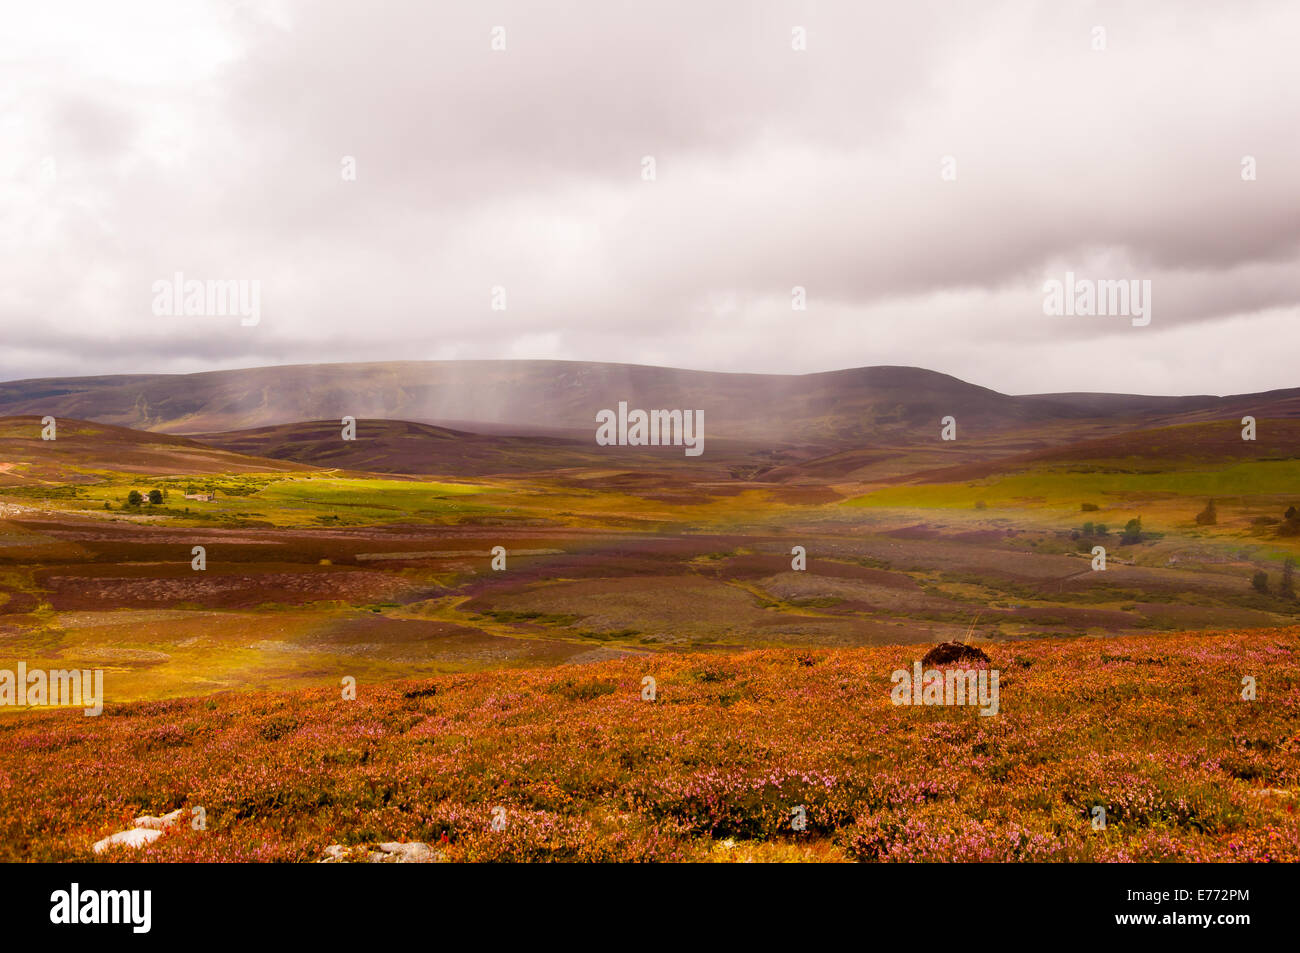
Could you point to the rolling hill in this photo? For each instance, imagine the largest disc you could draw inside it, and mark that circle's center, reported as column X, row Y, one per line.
column 475, row 418
column 82, row 451
column 557, row 398
column 401, row 446
column 405, row 447
column 1182, row 447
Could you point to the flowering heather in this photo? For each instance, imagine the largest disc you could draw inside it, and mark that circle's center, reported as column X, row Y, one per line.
column 1152, row 729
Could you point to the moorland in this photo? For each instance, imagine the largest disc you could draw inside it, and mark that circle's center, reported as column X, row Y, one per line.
column 373, row 559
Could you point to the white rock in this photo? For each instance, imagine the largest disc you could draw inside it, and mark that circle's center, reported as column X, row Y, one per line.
column 160, row 823
column 412, row 853
column 334, row 854
column 136, row 837
column 389, row 852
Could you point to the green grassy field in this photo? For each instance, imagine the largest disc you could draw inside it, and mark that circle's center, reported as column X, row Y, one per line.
column 1100, row 484
column 294, row 501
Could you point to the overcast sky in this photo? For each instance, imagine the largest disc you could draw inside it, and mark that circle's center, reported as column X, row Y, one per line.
column 138, row 140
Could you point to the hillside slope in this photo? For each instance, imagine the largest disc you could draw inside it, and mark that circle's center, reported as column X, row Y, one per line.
column 1182, row 447
column 401, row 446
column 82, row 449
column 555, row 397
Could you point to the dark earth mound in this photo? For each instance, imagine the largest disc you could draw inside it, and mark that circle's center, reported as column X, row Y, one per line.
column 945, row 653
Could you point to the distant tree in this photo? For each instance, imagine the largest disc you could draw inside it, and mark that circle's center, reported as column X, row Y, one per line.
column 1291, row 512
column 1287, row 586
column 1133, row 530
column 1088, row 528
column 981, row 505
column 134, row 498
column 155, row 497
column 1260, row 581
column 1208, row 516
column 1101, row 529
column 108, row 505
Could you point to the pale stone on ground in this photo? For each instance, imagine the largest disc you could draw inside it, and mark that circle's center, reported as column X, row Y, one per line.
column 136, row 837
column 160, row 823
column 389, row 852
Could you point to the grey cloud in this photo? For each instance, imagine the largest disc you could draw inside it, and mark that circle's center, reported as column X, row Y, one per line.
column 776, row 169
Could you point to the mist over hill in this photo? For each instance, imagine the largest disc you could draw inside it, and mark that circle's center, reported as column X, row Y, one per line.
column 561, row 398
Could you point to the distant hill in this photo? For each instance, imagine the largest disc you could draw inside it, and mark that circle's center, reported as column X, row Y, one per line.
column 1178, row 448
column 1159, row 411
column 84, row 448
column 404, row 447
column 550, row 397
column 400, row 446
column 484, row 417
